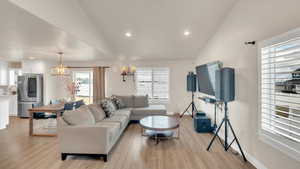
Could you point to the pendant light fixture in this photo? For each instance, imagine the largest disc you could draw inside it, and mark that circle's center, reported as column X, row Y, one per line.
column 60, row 69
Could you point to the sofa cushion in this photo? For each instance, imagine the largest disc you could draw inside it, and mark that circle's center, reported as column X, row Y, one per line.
column 80, row 116
column 108, row 106
column 121, row 119
column 150, row 110
column 118, row 102
column 127, row 100
column 97, row 111
column 113, row 129
column 124, row 112
column 140, row 101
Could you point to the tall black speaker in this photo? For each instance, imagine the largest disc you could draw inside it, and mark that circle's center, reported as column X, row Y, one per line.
column 225, row 93
column 191, row 80
column 225, row 87
column 191, row 86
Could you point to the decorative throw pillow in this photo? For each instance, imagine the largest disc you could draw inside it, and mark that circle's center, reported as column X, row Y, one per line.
column 118, row 102
column 78, row 103
column 97, row 111
column 108, row 107
column 80, row 116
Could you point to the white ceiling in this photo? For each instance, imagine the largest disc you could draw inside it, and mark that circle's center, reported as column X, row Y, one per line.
column 157, row 25
column 24, row 35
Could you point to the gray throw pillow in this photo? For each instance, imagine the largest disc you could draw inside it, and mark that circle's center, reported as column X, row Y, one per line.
column 108, row 106
column 118, row 102
column 97, row 111
column 141, row 101
column 80, row 116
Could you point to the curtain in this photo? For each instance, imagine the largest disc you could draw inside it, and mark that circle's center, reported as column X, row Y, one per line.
column 98, row 84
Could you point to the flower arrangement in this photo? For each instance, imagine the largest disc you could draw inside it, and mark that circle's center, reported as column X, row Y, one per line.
column 72, row 88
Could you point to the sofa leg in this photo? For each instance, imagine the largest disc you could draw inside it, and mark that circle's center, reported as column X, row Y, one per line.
column 105, row 158
column 63, row 156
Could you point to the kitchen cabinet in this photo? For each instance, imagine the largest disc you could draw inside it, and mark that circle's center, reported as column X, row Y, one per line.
column 3, row 73
column 4, row 113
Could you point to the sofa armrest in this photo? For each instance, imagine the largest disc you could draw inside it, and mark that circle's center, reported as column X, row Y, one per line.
column 87, row 139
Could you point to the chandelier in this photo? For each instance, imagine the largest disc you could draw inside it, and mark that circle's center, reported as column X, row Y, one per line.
column 60, row 69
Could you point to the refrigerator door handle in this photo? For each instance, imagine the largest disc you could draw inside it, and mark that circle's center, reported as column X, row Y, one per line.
column 26, row 97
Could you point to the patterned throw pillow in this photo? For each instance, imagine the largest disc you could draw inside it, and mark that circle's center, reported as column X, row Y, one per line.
column 108, row 107
column 118, row 102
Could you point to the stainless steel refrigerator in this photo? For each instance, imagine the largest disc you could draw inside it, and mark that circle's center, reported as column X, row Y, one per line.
column 30, row 92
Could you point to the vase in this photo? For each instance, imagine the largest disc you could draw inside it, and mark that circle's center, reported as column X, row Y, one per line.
column 73, row 98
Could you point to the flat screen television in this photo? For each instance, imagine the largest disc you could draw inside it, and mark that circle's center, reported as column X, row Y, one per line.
column 206, row 75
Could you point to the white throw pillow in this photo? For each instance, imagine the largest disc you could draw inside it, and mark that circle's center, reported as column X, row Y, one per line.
column 80, row 116
column 97, row 111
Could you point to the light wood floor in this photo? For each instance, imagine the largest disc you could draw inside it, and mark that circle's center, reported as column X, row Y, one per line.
column 19, row 151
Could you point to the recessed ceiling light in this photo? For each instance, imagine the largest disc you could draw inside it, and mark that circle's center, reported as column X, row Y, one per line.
column 31, row 58
column 187, row 33
column 128, row 34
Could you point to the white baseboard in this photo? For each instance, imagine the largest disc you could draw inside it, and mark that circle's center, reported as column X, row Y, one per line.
column 256, row 163
column 250, row 158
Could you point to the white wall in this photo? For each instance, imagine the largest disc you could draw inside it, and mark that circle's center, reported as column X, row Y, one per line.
column 179, row 97
column 250, row 20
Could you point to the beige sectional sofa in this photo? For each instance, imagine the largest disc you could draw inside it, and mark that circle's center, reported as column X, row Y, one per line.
column 87, row 130
column 139, row 107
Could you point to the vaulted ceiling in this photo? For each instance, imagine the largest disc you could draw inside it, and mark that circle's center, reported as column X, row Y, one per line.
column 25, row 36
column 157, row 26
column 95, row 29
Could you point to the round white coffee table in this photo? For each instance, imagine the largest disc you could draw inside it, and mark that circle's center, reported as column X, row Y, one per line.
column 160, row 127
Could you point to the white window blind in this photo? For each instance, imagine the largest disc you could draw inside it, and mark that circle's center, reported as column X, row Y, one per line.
column 280, row 92
column 154, row 82
column 84, row 80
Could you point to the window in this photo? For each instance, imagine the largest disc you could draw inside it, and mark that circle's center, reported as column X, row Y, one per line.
column 280, row 91
column 84, row 80
column 154, row 82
